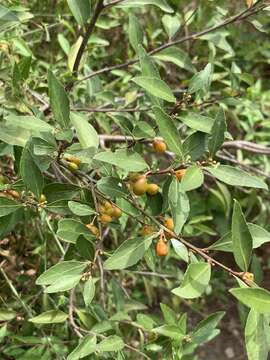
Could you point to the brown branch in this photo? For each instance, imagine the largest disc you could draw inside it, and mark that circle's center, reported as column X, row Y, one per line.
column 237, row 144
column 241, row 16
column 98, row 9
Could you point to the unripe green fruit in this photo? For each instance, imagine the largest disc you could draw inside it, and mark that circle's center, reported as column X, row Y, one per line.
column 72, row 166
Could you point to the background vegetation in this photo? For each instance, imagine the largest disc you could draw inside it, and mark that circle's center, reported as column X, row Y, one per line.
column 134, row 162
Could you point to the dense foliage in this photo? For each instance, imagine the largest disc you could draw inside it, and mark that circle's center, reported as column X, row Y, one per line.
column 134, row 164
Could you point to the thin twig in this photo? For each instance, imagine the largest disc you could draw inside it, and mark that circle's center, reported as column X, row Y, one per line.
column 14, row 291
column 241, row 16
column 98, row 9
column 237, row 144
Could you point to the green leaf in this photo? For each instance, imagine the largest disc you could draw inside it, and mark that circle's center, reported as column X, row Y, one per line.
column 217, row 135
column 112, row 187
column 171, row 24
column 192, row 179
column 195, row 146
column 155, row 87
column 236, row 177
column 86, row 133
column 241, row 238
column 8, row 206
column 125, row 159
column 7, row 315
column 257, row 299
column 111, row 343
column 172, row 331
column 80, row 209
column 30, row 172
column 259, row 237
column 205, row 328
column 195, row 281
column 198, row 122
column 168, row 131
column 81, row 10
column 257, row 337
column 58, row 100
column 128, row 253
column 180, row 250
column 179, row 205
column 201, row 81
column 66, row 283
column 177, row 56
column 14, row 136
column 50, row 317
column 169, row 315
column 69, row 230
column 7, row 16
column 89, row 291
column 86, row 347
column 135, row 32
column 31, row 123
column 60, row 271
column 148, row 68
column 162, row 4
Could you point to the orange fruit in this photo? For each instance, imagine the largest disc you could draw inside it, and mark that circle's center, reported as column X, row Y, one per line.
column 162, row 248
column 159, row 146
column 180, row 173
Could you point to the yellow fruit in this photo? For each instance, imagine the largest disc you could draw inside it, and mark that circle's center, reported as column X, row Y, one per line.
column 72, row 166
column 168, row 223
column 140, row 186
column 73, row 159
column 117, row 213
column 42, row 198
column 159, row 146
column 180, row 173
column 105, row 218
column 107, row 205
column 162, row 248
column 133, row 177
column 94, row 230
column 152, row 189
column 101, row 209
column 248, row 277
column 147, row 230
column 14, row 194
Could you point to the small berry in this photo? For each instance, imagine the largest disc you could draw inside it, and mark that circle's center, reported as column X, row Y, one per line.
column 73, row 159
column 168, row 223
column 152, row 189
column 147, row 230
column 14, row 194
column 72, row 166
column 180, row 173
column 140, row 186
column 105, row 218
column 94, row 230
column 42, row 198
column 117, row 213
column 159, row 146
column 162, row 248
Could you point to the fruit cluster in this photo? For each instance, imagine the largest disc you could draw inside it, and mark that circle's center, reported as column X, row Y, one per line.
column 139, row 186
column 73, row 162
